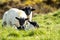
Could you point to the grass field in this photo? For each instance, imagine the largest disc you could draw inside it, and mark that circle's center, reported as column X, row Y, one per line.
column 49, row 29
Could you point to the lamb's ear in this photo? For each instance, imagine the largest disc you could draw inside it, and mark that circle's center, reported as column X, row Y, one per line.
column 17, row 18
column 26, row 18
column 32, row 9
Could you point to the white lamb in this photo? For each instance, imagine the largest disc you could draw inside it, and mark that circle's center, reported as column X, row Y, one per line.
column 9, row 17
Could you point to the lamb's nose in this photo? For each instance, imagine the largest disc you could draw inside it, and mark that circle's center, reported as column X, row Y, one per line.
column 22, row 27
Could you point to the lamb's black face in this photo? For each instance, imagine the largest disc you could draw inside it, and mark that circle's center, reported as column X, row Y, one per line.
column 28, row 10
column 21, row 21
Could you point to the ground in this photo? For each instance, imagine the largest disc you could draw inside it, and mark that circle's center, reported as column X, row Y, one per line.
column 49, row 29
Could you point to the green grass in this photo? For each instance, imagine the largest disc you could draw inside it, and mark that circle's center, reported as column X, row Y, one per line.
column 49, row 29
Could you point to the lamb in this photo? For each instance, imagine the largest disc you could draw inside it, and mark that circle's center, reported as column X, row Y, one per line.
column 11, row 16
column 28, row 10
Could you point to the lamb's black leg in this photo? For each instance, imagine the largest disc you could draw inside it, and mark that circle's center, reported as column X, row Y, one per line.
column 34, row 24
